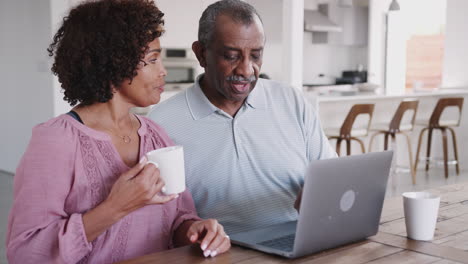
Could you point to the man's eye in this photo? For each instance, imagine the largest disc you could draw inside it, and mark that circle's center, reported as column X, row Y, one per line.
column 153, row 61
column 231, row 57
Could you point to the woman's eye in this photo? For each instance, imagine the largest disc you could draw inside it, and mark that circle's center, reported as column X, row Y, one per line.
column 153, row 60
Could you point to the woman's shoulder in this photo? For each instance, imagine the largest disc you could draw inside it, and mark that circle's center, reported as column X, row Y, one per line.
column 58, row 126
column 67, row 128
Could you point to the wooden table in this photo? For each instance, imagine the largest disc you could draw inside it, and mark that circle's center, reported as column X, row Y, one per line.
column 390, row 245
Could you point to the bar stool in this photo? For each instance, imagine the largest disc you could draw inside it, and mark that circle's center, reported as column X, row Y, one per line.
column 396, row 127
column 347, row 132
column 436, row 123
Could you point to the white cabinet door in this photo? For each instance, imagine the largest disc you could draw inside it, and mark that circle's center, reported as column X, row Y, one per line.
column 354, row 23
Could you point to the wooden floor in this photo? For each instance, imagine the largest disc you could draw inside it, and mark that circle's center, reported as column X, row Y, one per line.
column 398, row 183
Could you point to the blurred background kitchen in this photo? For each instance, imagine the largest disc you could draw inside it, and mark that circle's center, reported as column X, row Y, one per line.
column 339, row 52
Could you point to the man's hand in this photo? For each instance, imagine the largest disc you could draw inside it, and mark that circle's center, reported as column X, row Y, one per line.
column 297, row 203
column 211, row 236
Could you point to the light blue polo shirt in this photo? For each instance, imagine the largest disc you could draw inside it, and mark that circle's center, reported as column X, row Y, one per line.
column 245, row 171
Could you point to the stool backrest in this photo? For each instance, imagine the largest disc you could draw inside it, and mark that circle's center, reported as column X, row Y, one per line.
column 405, row 105
column 443, row 103
column 357, row 109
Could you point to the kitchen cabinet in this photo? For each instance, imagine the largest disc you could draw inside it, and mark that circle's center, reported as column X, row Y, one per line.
column 354, row 23
column 181, row 21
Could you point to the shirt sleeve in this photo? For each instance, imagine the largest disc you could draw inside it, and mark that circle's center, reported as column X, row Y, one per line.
column 185, row 211
column 318, row 146
column 39, row 228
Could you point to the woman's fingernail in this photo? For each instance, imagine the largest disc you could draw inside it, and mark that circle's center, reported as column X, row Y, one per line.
column 143, row 160
column 192, row 238
column 213, row 253
column 206, row 253
column 203, row 246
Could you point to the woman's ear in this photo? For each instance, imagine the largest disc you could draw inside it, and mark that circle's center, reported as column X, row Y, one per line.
column 199, row 51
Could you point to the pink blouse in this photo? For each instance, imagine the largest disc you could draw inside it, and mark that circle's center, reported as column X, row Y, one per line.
column 69, row 169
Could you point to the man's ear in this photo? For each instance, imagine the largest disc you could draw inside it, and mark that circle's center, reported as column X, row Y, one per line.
column 199, row 51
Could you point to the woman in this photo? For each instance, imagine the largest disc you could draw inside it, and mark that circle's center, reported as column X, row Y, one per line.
column 83, row 193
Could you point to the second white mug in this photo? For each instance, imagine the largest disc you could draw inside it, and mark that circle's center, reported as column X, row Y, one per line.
column 421, row 210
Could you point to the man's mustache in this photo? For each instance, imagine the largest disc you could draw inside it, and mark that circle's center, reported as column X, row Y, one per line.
column 238, row 78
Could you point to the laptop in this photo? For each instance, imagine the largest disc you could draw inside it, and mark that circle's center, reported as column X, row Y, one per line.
column 341, row 203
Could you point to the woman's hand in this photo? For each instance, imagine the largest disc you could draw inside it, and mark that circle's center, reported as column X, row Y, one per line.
column 139, row 186
column 211, row 236
column 134, row 189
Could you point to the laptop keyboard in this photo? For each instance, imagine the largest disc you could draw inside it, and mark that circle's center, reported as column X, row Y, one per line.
column 285, row 243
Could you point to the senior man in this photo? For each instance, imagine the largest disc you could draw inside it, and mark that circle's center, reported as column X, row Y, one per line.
column 247, row 141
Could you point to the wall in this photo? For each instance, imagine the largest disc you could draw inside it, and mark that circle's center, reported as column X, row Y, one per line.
column 330, row 60
column 27, row 95
column 271, row 13
column 456, row 41
column 376, row 59
column 342, row 51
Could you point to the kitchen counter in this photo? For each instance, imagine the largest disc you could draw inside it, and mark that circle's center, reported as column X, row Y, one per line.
column 358, row 96
column 333, row 110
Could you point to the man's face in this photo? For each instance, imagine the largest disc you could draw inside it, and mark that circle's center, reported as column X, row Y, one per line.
column 233, row 59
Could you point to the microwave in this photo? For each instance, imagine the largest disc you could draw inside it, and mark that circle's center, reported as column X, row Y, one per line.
column 182, row 68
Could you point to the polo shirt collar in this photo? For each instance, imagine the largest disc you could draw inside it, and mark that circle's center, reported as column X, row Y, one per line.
column 201, row 107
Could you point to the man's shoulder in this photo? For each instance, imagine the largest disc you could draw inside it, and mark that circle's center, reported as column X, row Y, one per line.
column 281, row 92
column 172, row 105
column 276, row 87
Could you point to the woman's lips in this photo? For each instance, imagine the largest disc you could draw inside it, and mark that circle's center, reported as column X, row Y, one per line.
column 160, row 88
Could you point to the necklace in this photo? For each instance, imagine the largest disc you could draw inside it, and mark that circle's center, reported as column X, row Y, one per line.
column 125, row 138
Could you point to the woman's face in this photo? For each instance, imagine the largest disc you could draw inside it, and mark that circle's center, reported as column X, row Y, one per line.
column 146, row 87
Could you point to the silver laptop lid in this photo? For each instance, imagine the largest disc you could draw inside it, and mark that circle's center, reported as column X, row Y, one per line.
column 342, row 201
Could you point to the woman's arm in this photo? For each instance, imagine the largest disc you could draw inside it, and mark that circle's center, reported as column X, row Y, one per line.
column 189, row 229
column 134, row 189
column 39, row 228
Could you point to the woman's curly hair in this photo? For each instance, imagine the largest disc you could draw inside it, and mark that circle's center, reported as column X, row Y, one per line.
column 100, row 44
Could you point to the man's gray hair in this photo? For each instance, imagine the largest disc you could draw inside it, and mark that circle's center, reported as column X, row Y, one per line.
column 239, row 11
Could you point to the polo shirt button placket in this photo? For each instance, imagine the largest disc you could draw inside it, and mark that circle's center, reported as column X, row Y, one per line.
column 235, row 136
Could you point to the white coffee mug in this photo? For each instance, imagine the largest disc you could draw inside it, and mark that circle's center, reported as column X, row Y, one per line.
column 170, row 161
column 421, row 210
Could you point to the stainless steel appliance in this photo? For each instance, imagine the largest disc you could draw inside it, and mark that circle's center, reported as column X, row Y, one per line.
column 352, row 77
column 182, row 68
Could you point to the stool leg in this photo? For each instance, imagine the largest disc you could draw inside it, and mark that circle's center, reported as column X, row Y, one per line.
column 455, row 152
column 410, row 152
column 444, row 145
column 428, row 152
column 348, row 147
column 393, row 140
column 338, row 146
column 386, row 142
column 363, row 149
column 419, row 148
column 372, row 140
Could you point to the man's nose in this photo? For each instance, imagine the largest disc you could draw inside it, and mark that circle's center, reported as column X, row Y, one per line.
column 245, row 68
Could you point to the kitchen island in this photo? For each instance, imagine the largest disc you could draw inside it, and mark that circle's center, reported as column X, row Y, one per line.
column 333, row 110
